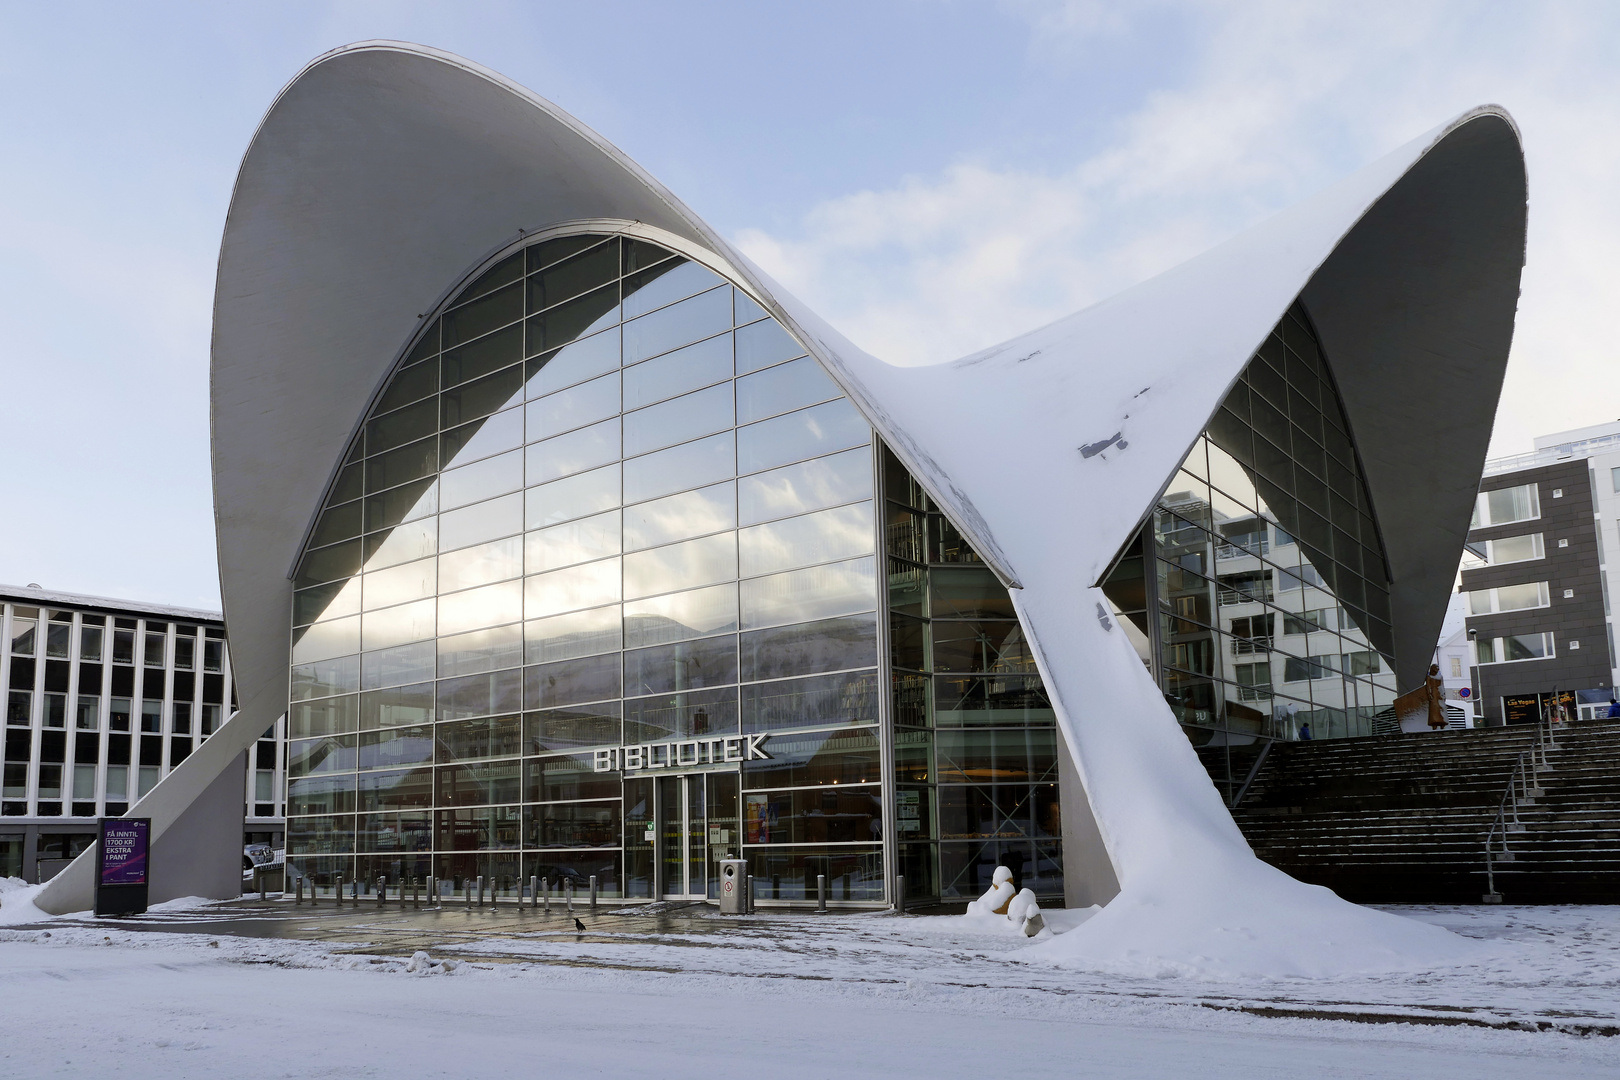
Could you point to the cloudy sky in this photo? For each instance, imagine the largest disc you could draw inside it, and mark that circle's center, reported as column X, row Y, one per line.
column 931, row 176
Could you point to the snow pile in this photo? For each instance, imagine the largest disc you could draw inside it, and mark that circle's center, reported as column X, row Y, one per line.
column 17, row 903
column 1239, row 918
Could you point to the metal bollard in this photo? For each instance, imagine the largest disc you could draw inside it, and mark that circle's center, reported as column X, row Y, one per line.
column 900, row 893
column 382, row 889
column 354, row 890
column 298, row 892
column 821, row 892
column 748, row 896
column 259, row 880
column 480, row 890
column 545, row 891
column 593, row 892
column 534, row 892
column 337, row 893
column 434, row 899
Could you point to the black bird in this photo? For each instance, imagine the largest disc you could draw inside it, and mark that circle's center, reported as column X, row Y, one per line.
column 579, row 926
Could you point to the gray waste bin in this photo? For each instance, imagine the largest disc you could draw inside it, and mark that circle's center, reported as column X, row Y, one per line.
column 733, row 880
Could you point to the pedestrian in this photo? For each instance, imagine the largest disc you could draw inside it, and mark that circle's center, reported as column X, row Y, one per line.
column 1305, row 732
column 1614, row 709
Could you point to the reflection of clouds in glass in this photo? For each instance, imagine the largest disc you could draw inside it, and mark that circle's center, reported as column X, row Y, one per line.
column 691, row 513
column 574, row 497
column 481, row 480
column 484, row 521
column 679, row 616
column 398, row 584
column 808, row 485
column 573, row 408
column 677, row 372
column 481, row 565
column 574, row 452
column 325, row 640
column 681, row 566
column 584, row 586
column 493, row 434
column 801, row 595
column 801, row 541
column 573, row 363
column 404, row 543
column 803, row 434
column 578, row 633
column 474, row 609
column 398, row 625
column 576, row 542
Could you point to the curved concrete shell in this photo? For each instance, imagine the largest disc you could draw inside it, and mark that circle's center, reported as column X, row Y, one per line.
column 385, row 174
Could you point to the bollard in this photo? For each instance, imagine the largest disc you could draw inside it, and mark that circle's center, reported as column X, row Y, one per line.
column 466, row 891
column 337, row 893
column 259, row 880
column 568, row 893
column 382, row 889
column 480, row 890
column 748, row 896
column 298, row 892
column 545, row 891
column 354, row 890
column 821, row 892
column 900, row 893
column 434, row 899
column 534, row 892
column 593, row 892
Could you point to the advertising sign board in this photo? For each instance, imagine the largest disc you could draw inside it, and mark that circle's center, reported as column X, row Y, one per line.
column 123, row 866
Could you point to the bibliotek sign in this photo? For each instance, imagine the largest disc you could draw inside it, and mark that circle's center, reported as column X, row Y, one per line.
column 682, row 754
column 123, row 866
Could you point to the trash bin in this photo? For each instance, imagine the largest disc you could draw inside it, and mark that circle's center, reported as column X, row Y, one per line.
column 733, row 879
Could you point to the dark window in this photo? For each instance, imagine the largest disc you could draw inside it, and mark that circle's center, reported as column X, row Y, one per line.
column 117, row 750
column 19, row 744
column 214, row 689
column 152, row 751
column 56, row 676
column 22, row 673
column 53, row 746
column 152, row 684
column 123, row 682
column 89, row 678
column 179, row 750
column 185, row 686
column 86, row 748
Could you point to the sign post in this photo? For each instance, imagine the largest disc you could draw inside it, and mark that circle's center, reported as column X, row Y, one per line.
column 123, row 866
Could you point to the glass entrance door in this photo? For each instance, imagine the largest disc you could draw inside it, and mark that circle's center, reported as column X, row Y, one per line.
column 697, row 823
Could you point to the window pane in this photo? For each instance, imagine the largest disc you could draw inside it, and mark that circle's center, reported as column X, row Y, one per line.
column 575, row 542
column 575, row 319
column 763, row 344
column 492, row 605
column 326, row 640
column 481, row 650
column 681, row 566
column 573, row 408
column 679, row 616
column 403, row 543
column 482, row 438
column 679, row 420
column 577, row 496
column 484, row 480
column 399, row 584
column 572, row 277
column 840, row 533
column 686, row 665
column 664, row 284
column 804, row 434
column 570, row 682
column 802, row 595
column 481, row 565
column 829, row 645
column 817, row 701
column 678, row 372
column 574, row 452
column 482, row 522
column 695, row 464
column 691, row 513
column 690, row 320
column 574, row 363
column 589, row 585
column 398, row 625
column 782, row 389
column 578, row 633
column 696, row 712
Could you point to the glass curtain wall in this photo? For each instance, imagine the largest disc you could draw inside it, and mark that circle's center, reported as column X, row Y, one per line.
column 1258, row 591
column 974, row 733
column 603, row 502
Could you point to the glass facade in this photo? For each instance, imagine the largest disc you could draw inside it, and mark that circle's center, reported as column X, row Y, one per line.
column 594, row 593
column 1257, row 593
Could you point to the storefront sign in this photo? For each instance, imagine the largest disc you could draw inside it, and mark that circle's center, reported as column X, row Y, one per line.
column 682, row 754
column 122, row 865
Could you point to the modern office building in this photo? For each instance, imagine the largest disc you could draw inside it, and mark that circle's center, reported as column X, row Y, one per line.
column 571, row 545
column 103, row 698
column 1535, row 572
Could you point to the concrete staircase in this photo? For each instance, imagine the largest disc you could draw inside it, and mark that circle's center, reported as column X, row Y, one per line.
column 1403, row 818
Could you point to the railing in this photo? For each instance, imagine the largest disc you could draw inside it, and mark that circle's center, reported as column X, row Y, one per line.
column 1522, row 787
column 1549, row 454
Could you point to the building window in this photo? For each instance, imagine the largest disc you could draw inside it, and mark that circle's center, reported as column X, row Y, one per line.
column 213, row 655
column 90, row 633
column 152, row 716
column 55, row 711
column 154, row 654
column 1532, row 594
column 88, row 715
column 20, row 708
column 22, row 631
column 1614, row 480
column 1504, row 506
column 123, row 647
column 1513, row 648
column 59, row 635
column 118, row 710
column 1510, row 549
column 1456, row 667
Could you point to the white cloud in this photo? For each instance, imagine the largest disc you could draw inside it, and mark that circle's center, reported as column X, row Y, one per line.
column 1279, row 100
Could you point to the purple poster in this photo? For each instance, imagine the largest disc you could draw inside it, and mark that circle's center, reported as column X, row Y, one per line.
column 123, row 851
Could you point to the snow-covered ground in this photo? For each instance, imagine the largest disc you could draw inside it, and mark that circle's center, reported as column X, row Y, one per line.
column 692, row 994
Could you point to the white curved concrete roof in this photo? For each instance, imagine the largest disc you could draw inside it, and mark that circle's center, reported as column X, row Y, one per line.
column 385, row 173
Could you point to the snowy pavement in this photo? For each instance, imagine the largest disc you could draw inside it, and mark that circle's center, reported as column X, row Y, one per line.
column 279, row 991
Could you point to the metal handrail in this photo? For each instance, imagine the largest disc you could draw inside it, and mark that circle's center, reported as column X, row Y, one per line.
column 1509, row 803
